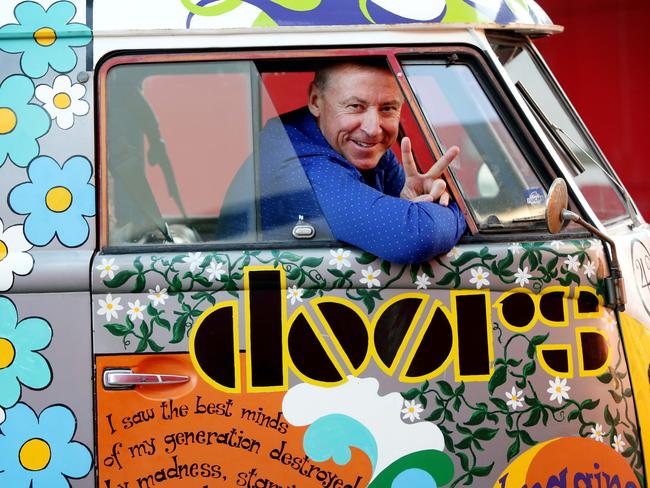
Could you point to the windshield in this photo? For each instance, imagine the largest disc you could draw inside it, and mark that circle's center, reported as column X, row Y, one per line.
column 592, row 174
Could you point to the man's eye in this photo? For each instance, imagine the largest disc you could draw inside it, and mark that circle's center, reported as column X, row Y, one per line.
column 355, row 106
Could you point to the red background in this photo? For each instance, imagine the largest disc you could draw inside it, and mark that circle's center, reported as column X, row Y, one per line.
column 601, row 60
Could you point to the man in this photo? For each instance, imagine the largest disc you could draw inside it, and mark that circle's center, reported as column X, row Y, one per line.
column 342, row 140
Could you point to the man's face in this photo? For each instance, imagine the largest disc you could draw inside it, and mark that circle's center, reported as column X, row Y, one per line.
column 358, row 113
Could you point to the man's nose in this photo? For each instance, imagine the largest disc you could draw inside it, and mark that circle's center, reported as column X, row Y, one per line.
column 371, row 123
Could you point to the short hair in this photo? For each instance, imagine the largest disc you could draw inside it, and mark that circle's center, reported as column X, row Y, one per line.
column 324, row 73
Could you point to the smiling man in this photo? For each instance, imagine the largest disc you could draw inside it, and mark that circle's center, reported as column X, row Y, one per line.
column 342, row 140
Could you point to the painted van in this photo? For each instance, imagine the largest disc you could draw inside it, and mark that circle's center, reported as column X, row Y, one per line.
column 155, row 332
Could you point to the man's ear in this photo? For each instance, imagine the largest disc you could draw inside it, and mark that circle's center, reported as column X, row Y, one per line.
column 314, row 100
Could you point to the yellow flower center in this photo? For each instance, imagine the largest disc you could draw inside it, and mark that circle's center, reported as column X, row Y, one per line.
column 35, row 455
column 340, row 258
column 411, row 409
column 45, row 36
column 8, row 120
column 3, row 250
column 62, row 100
column 107, row 267
column 136, row 309
column 558, row 389
column 58, row 199
column 7, row 352
column 109, row 306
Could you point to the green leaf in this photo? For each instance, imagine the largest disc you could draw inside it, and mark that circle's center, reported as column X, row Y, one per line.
column 335, row 272
column 631, row 440
column 290, row 256
column 500, row 404
column 142, row 345
column 294, row 274
column 435, row 415
column 120, row 278
column 527, row 438
column 414, row 271
column 514, row 448
column 410, row 394
column 308, row 293
column 448, row 278
column 118, row 329
column 138, row 264
column 311, row 262
column 573, row 414
column 154, row 347
column 385, row 266
column 615, row 395
column 366, row 258
column 202, row 280
column 178, row 332
column 589, row 404
column 426, row 267
column 464, row 460
column 509, row 421
column 445, row 388
column 369, row 302
column 164, row 323
column 423, row 400
column 144, row 329
column 460, row 390
column 465, row 443
column 139, row 285
column 176, row 284
column 465, row 258
column 498, row 378
column 485, row 433
column 425, row 386
column 477, row 418
column 627, row 392
column 505, row 262
column 457, row 404
column 534, row 417
column 529, row 369
column 482, row 470
column 151, row 310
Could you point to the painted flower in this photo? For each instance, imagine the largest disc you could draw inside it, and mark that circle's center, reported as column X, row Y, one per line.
column 56, row 201
column 610, row 320
column 556, row 244
column 39, row 451
column 411, row 410
column 193, row 259
column 370, row 277
column 479, row 277
column 522, row 277
column 422, row 281
column 572, row 263
column 294, row 293
column 63, row 100
column 109, row 306
column 597, row 432
column 21, row 122
column 45, row 37
column 158, row 295
column 107, row 268
column 589, row 269
column 215, row 270
column 135, row 311
column 515, row 398
column 618, row 443
column 20, row 363
column 14, row 258
column 339, row 258
column 516, row 248
column 453, row 253
column 558, row 390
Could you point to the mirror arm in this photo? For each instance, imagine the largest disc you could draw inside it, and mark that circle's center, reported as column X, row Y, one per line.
column 615, row 284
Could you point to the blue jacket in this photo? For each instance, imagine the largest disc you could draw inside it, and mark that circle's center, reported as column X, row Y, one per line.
column 361, row 208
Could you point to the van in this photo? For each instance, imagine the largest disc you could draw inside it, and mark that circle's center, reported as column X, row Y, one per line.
column 156, row 330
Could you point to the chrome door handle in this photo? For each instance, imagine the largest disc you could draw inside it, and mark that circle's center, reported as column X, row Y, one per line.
column 122, row 379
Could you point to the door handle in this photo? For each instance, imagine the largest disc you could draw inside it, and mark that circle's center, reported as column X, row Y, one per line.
column 124, row 379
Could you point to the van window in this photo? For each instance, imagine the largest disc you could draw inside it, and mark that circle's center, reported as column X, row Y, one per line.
column 495, row 178
column 188, row 155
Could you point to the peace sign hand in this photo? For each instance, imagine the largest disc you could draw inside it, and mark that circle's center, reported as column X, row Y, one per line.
column 427, row 187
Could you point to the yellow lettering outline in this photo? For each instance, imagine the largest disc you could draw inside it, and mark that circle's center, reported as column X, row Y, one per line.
column 555, row 347
column 499, row 306
column 587, row 315
column 418, row 340
column 490, row 339
column 236, row 353
column 315, row 303
column 247, row 317
column 581, row 365
column 390, row 369
column 552, row 323
column 302, row 310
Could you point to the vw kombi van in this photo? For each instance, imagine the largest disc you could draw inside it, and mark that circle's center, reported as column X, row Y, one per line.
column 155, row 332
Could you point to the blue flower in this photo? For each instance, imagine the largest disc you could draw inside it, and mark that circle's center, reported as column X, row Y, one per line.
column 45, row 37
column 56, row 200
column 39, row 452
column 19, row 361
column 21, row 122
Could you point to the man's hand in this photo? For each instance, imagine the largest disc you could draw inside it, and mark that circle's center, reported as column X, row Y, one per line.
column 427, row 187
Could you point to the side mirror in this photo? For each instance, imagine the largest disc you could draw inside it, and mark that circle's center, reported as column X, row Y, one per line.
column 557, row 214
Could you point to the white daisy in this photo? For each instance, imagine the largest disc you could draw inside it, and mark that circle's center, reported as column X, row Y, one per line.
column 453, row 253
column 63, row 100
column 370, row 277
column 522, row 276
column 516, row 248
column 215, row 270
column 109, row 306
column 135, row 310
column 107, row 268
column 618, row 443
column 294, row 293
column 158, row 296
column 610, row 320
column 572, row 263
column 422, row 281
column 589, row 269
column 556, row 244
column 515, row 398
column 479, row 277
column 412, row 410
column 597, row 433
column 558, row 390
column 339, row 258
column 193, row 259
column 14, row 258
